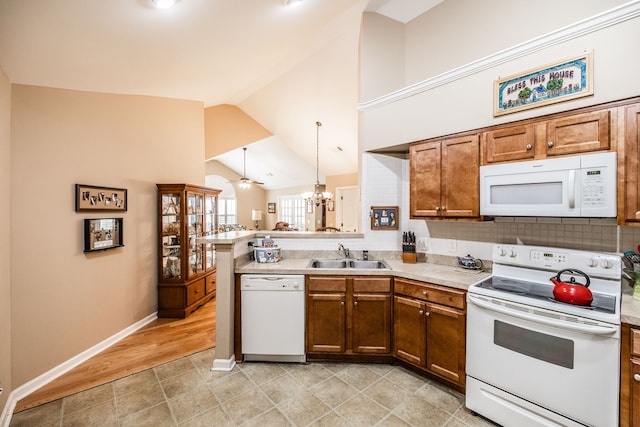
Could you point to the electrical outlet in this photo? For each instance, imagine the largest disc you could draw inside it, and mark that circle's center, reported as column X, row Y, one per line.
column 452, row 246
column 422, row 244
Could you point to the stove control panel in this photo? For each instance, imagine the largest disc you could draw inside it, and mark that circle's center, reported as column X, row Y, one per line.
column 553, row 259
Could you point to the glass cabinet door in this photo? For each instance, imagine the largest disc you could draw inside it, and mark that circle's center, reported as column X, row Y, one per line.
column 210, row 228
column 171, row 231
column 195, row 216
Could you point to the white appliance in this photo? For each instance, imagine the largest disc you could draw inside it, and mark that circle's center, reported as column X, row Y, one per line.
column 575, row 186
column 535, row 361
column 273, row 317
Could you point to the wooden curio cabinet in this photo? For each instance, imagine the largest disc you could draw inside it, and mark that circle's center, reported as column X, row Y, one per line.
column 187, row 267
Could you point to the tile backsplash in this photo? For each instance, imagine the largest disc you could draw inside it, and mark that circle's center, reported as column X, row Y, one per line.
column 583, row 234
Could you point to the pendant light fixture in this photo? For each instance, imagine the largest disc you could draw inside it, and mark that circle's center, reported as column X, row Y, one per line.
column 318, row 196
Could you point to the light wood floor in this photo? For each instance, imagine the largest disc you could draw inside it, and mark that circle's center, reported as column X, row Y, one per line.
column 159, row 342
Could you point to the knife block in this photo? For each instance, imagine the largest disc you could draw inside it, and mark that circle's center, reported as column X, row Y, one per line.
column 409, row 258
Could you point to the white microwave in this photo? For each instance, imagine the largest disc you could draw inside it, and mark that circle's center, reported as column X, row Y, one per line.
column 576, row 186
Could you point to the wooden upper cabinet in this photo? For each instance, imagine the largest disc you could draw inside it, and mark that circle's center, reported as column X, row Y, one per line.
column 461, row 177
column 628, row 183
column 508, row 144
column 578, row 133
column 425, row 179
column 444, row 178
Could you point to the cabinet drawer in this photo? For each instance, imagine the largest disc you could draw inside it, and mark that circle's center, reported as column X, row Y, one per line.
column 195, row 291
column 432, row 293
column 371, row 284
column 327, row 284
column 210, row 284
column 635, row 342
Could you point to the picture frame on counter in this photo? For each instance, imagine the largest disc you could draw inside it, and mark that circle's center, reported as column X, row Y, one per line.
column 384, row 218
column 91, row 198
column 552, row 83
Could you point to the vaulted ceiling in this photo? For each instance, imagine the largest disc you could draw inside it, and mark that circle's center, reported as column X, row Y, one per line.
column 286, row 67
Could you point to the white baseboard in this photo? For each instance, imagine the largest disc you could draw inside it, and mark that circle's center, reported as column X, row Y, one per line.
column 29, row 387
column 224, row 364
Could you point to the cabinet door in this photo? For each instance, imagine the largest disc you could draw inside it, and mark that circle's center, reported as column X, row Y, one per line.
column 512, row 143
column 461, row 177
column 425, row 179
column 446, row 342
column 579, row 133
column 326, row 322
column 195, row 217
column 170, row 237
column 635, row 392
column 409, row 330
column 371, row 319
column 631, row 163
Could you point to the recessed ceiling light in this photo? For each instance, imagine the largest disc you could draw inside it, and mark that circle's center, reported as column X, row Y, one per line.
column 163, row 4
column 292, row 2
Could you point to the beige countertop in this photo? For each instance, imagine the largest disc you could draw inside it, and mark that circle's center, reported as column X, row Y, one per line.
column 444, row 275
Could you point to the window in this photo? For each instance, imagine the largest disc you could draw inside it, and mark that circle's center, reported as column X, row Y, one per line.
column 227, row 211
column 291, row 211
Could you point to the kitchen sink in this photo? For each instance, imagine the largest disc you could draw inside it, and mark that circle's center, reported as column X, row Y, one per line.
column 369, row 264
column 349, row 263
column 328, row 263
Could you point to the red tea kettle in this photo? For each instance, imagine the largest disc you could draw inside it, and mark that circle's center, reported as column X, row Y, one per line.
column 572, row 292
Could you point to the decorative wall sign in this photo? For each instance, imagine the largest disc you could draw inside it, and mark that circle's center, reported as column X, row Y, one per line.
column 96, row 199
column 384, row 217
column 557, row 82
column 271, row 208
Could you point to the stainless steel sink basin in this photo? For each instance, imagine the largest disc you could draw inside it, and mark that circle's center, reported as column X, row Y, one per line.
column 369, row 264
column 328, row 263
column 351, row 263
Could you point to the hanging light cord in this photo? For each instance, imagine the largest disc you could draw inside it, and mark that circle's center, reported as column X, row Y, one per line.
column 318, row 124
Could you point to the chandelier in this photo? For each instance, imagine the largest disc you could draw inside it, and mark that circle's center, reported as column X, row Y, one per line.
column 318, row 196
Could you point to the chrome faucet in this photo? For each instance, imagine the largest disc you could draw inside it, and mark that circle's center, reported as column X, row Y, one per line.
column 345, row 251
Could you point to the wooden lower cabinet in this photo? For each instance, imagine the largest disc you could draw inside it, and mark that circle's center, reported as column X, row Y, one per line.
column 180, row 300
column 348, row 315
column 429, row 329
column 630, row 377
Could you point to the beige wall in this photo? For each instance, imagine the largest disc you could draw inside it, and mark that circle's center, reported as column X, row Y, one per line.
column 246, row 198
column 65, row 301
column 5, row 237
column 334, row 181
column 456, row 103
column 227, row 127
column 483, row 28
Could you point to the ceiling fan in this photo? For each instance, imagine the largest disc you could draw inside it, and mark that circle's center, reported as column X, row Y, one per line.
column 244, row 181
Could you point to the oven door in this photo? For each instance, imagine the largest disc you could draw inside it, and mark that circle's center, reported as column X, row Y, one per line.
column 568, row 367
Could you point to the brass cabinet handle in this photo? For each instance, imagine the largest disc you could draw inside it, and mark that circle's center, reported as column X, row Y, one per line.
column 636, row 377
column 550, row 144
column 528, row 147
column 355, row 303
column 421, row 312
column 427, row 314
column 341, row 302
column 424, row 293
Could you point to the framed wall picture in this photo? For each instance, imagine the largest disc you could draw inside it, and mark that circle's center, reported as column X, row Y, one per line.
column 90, row 198
column 384, row 217
column 102, row 233
column 271, row 208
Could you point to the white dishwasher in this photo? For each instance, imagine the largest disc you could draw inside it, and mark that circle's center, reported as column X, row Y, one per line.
column 273, row 317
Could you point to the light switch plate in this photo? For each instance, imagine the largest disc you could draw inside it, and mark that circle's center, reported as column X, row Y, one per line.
column 452, row 246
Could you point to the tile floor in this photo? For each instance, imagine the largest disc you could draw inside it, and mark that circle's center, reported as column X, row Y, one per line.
column 185, row 392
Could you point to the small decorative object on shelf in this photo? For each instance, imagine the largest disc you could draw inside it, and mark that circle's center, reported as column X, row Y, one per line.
column 187, row 269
